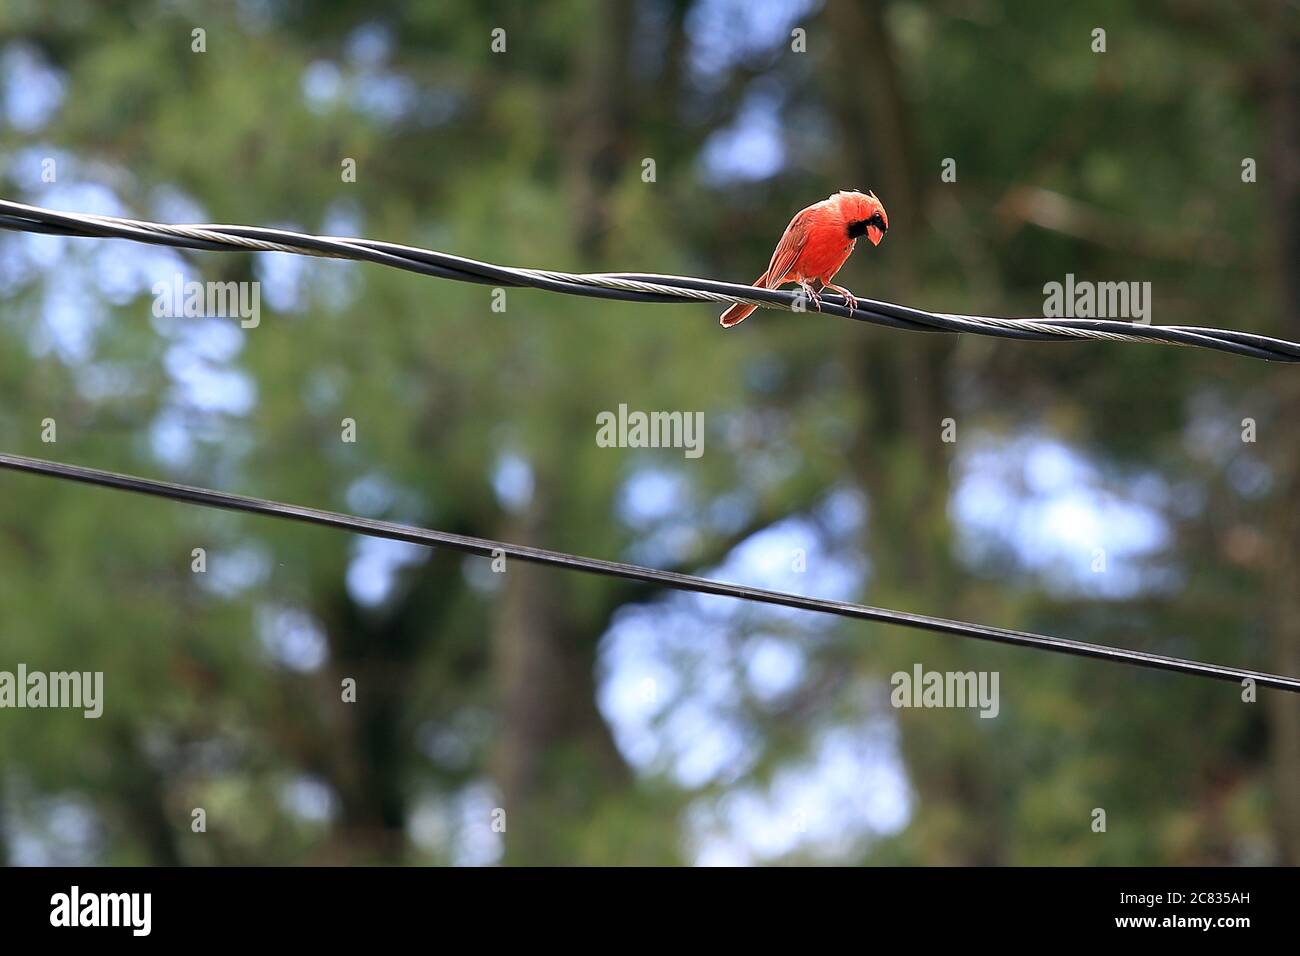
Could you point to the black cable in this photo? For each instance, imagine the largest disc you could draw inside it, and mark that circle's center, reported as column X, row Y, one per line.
column 617, row 569
column 680, row 289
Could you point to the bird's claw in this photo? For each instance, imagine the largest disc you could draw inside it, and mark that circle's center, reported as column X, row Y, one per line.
column 850, row 300
column 811, row 295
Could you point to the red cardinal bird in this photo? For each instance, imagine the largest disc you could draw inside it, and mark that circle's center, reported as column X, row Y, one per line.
column 815, row 245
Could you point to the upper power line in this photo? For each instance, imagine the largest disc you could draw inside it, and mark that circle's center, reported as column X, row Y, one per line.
column 633, row 286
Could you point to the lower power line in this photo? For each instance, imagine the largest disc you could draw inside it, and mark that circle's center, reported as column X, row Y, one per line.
column 671, row 579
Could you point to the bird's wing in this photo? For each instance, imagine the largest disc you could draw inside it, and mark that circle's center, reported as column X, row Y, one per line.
column 788, row 249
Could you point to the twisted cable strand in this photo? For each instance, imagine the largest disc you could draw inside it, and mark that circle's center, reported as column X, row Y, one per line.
column 632, row 286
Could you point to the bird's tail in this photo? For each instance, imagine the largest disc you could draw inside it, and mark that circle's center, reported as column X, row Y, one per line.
column 738, row 312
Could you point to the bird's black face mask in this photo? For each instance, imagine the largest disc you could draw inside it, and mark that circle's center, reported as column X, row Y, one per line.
column 859, row 228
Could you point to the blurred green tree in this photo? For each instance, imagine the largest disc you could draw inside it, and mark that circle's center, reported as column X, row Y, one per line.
column 479, row 692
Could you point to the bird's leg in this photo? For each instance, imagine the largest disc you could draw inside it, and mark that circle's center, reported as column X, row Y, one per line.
column 849, row 298
column 810, row 293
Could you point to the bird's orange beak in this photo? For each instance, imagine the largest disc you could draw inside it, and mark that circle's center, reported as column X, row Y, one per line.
column 875, row 235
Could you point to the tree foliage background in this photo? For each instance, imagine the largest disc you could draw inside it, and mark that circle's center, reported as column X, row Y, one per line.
column 610, row 722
